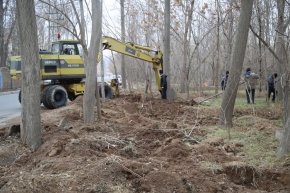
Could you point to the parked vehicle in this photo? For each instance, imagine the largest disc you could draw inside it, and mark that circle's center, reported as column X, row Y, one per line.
column 63, row 72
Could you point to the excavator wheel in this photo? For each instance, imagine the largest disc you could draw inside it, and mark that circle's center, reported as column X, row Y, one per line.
column 108, row 91
column 43, row 97
column 56, row 96
column 19, row 97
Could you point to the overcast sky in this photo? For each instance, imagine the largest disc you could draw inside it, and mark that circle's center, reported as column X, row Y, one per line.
column 111, row 17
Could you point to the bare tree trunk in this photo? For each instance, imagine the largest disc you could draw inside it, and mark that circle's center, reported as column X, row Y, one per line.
column 103, row 79
column 30, row 88
column 102, row 74
column 123, row 65
column 100, row 46
column 230, row 35
column 185, row 70
column 285, row 76
column 260, row 45
column 6, row 45
column 217, row 68
column 91, row 66
column 2, row 62
column 82, row 28
column 166, row 56
column 280, row 45
column 237, row 59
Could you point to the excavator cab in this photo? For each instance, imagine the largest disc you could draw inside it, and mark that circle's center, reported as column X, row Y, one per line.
column 65, row 63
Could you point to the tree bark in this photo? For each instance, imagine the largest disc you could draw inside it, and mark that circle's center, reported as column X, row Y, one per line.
column 280, row 45
column 30, row 88
column 166, row 52
column 237, row 59
column 91, row 66
column 285, row 76
column 123, row 65
column 185, row 70
column 2, row 62
column 217, row 68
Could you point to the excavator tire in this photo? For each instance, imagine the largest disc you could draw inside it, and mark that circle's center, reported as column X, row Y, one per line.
column 56, row 97
column 19, row 97
column 44, row 98
column 108, row 91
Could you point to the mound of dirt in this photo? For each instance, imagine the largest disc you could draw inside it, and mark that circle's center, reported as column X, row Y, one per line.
column 141, row 145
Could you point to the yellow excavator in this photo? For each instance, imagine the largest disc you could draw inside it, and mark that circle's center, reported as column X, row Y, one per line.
column 62, row 69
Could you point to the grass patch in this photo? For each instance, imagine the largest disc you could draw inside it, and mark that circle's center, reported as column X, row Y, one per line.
column 239, row 103
column 259, row 147
column 279, row 123
column 214, row 167
column 218, row 132
column 245, row 121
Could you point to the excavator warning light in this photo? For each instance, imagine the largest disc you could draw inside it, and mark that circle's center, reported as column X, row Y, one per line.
column 58, row 36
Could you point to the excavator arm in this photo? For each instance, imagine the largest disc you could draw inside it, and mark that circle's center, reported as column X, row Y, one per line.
column 136, row 51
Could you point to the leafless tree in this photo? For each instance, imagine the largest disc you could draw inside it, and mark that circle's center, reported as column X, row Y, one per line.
column 236, row 64
column 123, row 65
column 91, row 65
column 30, row 98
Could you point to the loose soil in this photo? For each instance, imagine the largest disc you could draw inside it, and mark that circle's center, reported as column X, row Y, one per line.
column 141, row 145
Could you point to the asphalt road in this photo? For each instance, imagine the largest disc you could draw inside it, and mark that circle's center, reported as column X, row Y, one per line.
column 9, row 106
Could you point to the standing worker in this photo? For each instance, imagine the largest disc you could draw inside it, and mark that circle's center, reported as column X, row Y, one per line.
column 163, row 85
column 271, row 86
column 225, row 80
column 251, row 81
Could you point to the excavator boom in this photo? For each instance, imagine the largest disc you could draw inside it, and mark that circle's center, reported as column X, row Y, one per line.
column 136, row 51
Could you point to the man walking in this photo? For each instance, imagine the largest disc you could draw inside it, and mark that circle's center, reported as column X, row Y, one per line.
column 271, row 86
column 225, row 80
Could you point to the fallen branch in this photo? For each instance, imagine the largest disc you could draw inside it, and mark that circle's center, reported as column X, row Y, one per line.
column 187, row 138
column 210, row 97
column 127, row 169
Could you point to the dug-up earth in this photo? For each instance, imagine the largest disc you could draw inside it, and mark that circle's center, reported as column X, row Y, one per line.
column 143, row 145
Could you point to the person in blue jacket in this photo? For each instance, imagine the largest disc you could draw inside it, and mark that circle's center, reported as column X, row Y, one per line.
column 163, row 84
column 225, row 80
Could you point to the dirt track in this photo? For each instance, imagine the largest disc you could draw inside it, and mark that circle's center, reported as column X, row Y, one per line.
column 142, row 145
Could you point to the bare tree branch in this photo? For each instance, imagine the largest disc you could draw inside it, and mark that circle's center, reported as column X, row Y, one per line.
column 74, row 33
column 265, row 43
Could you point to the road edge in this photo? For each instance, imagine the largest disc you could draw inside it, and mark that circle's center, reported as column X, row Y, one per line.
column 9, row 92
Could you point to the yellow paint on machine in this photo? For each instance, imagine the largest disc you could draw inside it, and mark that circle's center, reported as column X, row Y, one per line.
column 48, row 56
column 72, row 59
column 64, row 71
column 77, row 89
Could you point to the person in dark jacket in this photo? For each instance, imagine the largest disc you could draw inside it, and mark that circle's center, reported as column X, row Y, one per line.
column 271, row 86
column 225, row 80
column 163, row 84
column 251, row 81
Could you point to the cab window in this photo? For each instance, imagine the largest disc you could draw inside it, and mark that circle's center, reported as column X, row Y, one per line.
column 55, row 49
column 69, row 49
column 80, row 48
